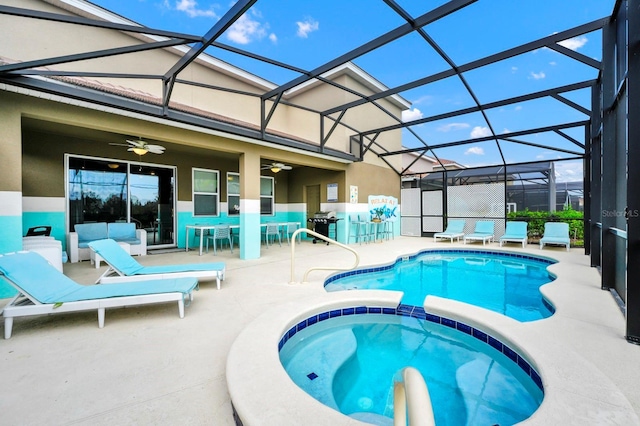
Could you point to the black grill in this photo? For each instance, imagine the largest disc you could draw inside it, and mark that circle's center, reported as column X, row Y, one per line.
column 322, row 224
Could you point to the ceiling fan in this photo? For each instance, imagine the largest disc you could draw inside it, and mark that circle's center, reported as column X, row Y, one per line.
column 141, row 147
column 275, row 167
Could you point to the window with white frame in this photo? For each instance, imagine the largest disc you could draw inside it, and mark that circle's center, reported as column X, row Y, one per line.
column 266, row 195
column 206, row 192
column 233, row 193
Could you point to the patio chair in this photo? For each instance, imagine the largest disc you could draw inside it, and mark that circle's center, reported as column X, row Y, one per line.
column 42, row 289
column 455, row 229
column 288, row 229
column 121, row 267
column 516, row 232
column 270, row 233
column 483, row 232
column 556, row 233
column 220, row 233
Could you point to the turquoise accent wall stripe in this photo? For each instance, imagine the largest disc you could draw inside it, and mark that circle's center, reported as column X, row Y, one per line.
column 53, row 219
column 187, row 218
column 10, row 240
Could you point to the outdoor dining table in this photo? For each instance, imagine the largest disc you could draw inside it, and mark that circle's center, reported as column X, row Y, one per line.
column 203, row 228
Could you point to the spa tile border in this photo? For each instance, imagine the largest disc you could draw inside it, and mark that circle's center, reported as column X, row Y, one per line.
column 419, row 313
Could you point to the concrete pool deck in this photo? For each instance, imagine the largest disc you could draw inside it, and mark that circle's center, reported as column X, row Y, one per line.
column 147, row 366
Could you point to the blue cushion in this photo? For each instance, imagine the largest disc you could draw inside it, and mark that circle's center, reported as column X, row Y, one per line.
column 90, row 232
column 34, row 275
column 123, row 232
column 115, row 256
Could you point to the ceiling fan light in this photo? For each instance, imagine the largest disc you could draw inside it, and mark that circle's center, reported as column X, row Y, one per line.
column 275, row 169
column 113, row 165
column 140, row 151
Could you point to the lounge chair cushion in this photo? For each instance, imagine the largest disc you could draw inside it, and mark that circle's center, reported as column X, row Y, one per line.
column 455, row 229
column 556, row 233
column 118, row 259
column 45, row 284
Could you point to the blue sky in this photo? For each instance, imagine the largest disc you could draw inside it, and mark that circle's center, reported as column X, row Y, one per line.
column 308, row 33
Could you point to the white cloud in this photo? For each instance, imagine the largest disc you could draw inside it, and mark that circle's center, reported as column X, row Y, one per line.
column 426, row 99
column 475, row 150
column 480, row 132
column 245, row 30
column 273, row 37
column 452, row 126
column 574, row 43
column 538, row 76
column 514, row 69
column 553, row 63
column 411, row 114
column 568, row 171
column 307, row 26
column 190, row 7
column 518, row 108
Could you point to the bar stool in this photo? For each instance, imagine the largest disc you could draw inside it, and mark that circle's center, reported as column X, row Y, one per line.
column 354, row 229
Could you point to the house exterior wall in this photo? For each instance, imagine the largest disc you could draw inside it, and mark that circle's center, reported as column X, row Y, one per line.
column 37, row 131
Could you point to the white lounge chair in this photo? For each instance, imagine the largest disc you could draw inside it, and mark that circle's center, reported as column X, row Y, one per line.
column 455, row 229
column 516, row 232
column 42, row 289
column 123, row 267
column 556, row 233
column 483, row 232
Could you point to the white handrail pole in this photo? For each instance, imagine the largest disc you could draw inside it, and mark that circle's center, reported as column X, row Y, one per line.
column 411, row 395
column 326, row 268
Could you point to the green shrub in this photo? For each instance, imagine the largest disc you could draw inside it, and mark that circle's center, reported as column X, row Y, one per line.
column 536, row 221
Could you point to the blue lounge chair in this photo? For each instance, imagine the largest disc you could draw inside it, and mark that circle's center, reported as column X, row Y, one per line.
column 516, row 232
column 483, row 232
column 455, row 229
column 556, row 233
column 42, row 289
column 123, row 267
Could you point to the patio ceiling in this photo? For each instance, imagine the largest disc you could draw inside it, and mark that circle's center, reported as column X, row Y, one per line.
column 416, row 35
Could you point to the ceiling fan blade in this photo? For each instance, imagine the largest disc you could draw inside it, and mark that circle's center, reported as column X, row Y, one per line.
column 138, row 144
column 118, row 144
column 155, row 147
column 285, row 167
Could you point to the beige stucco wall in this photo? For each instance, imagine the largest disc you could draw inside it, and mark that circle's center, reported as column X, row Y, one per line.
column 85, row 131
column 10, row 146
column 54, row 39
column 52, row 129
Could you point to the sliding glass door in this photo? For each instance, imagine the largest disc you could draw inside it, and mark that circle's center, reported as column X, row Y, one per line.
column 113, row 191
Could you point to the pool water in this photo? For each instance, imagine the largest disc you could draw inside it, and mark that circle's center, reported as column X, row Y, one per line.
column 505, row 284
column 349, row 364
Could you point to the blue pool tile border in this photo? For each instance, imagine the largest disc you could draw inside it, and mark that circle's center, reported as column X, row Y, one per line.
column 420, row 313
column 401, row 259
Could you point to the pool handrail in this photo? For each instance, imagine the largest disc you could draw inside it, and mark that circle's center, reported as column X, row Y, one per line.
column 411, row 394
column 318, row 268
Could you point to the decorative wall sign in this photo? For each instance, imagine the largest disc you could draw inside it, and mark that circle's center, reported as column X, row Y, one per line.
column 383, row 207
column 332, row 192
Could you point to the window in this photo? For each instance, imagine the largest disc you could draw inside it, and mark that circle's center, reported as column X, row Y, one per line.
column 266, row 195
column 233, row 194
column 205, row 192
column 104, row 190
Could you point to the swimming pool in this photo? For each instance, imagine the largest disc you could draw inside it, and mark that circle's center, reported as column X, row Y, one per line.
column 348, row 359
column 502, row 282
